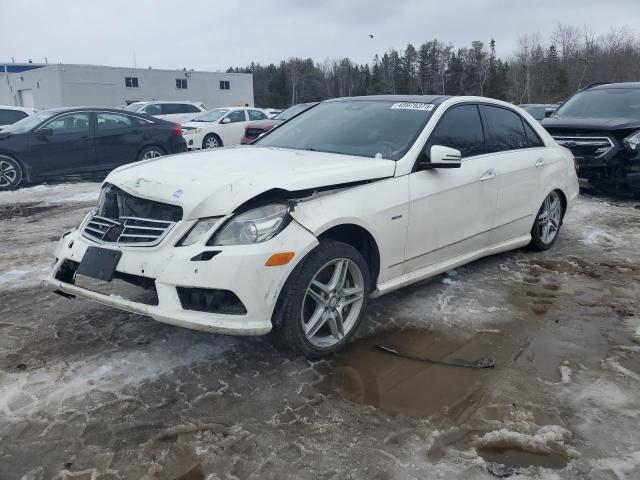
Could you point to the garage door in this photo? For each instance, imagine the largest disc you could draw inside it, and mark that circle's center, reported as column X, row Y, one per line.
column 26, row 98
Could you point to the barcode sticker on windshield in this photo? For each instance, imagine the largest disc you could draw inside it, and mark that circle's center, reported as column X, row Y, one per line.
column 413, row 106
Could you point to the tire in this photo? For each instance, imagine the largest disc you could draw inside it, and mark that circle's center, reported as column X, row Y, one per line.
column 211, row 141
column 318, row 322
column 11, row 174
column 152, row 151
column 547, row 224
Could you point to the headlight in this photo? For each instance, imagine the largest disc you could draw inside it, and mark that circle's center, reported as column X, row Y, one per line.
column 632, row 142
column 254, row 226
column 191, row 131
column 197, row 231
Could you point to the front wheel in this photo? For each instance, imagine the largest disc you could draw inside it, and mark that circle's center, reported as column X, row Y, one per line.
column 211, row 141
column 326, row 296
column 548, row 222
column 10, row 173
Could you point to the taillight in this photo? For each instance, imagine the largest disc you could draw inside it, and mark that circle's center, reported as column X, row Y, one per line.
column 177, row 130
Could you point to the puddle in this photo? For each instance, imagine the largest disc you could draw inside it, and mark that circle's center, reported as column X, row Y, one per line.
column 22, row 210
column 364, row 374
column 194, row 474
column 516, row 458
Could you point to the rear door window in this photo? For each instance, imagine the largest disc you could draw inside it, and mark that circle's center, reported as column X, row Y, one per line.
column 533, row 140
column 113, row 121
column 153, row 109
column 189, row 108
column 461, row 128
column 237, row 116
column 505, row 129
column 256, row 115
column 7, row 117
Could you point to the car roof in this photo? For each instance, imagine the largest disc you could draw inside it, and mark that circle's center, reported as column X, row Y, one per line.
column 396, row 98
column 538, row 105
column 603, row 86
column 87, row 108
column 141, row 102
column 21, row 109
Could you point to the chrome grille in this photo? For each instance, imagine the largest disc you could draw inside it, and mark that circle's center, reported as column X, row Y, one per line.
column 141, row 232
column 580, row 146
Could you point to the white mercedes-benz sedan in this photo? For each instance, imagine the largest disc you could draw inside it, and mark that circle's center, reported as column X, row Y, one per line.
column 352, row 199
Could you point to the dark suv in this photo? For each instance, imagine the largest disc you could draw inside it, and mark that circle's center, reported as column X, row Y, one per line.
column 601, row 126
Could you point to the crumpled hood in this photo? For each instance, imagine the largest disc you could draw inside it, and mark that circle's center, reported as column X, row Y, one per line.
column 215, row 182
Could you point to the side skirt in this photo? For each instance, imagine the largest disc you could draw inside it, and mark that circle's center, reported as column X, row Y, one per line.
column 437, row 268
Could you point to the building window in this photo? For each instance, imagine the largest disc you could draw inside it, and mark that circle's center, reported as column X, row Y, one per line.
column 131, row 82
column 181, row 83
column 225, row 85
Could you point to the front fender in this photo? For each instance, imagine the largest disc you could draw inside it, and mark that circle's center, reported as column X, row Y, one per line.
column 380, row 207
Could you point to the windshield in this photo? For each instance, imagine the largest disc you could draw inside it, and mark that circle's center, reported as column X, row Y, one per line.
column 211, row 116
column 292, row 111
column 603, row 103
column 134, row 107
column 28, row 123
column 366, row 128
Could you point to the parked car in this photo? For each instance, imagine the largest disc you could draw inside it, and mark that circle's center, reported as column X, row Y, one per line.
column 539, row 111
column 353, row 199
column 254, row 129
column 10, row 115
column 601, row 126
column 220, row 127
column 180, row 112
column 74, row 142
column 272, row 112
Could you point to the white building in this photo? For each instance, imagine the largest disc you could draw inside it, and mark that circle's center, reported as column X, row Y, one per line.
column 78, row 85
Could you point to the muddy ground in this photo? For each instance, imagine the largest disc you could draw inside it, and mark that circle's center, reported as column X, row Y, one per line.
column 88, row 392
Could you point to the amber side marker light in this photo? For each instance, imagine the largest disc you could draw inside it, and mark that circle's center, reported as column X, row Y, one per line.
column 279, row 259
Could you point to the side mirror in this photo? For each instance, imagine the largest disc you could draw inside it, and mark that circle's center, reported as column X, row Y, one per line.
column 225, row 120
column 44, row 132
column 442, row 157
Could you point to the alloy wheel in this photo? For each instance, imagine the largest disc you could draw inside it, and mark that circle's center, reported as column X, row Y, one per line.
column 153, row 153
column 8, row 173
column 549, row 217
column 332, row 302
column 211, row 142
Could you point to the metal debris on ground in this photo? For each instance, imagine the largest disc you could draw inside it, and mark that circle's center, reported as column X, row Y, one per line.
column 485, row 362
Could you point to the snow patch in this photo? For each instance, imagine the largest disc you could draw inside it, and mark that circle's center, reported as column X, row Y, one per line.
column 623, row 468
column 600, row 238
column 23, row 277
column 565, row 373
column 53, row 194
column 54, row 387
column 548, row 439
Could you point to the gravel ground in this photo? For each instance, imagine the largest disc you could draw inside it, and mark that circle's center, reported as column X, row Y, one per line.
column 88, row 392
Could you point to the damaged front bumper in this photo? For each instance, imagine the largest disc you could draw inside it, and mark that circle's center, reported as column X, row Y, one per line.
column 226, row 290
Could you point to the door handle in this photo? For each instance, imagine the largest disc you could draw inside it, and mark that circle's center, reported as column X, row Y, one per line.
column 539, row 163
column 488, row 175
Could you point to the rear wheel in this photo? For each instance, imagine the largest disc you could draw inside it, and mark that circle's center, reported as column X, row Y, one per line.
column 548, row 222
column 148, row 153
column 10, row 173
column 326, row 297
column 211, row 141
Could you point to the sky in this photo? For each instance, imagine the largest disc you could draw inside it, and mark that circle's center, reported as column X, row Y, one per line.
column 213, row 35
